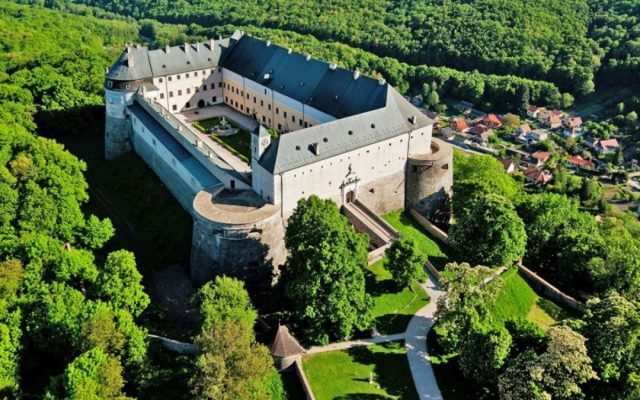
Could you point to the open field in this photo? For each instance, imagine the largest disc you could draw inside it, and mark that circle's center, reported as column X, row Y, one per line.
column 439, row 254
column 345, row 374
column 393, row 308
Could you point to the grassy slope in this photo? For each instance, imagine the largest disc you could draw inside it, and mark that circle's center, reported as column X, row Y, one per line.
column 518, row 300
column 345, row 374
column 437, row 253
column 392, row 308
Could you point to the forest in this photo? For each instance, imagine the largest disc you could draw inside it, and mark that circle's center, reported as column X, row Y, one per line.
column 538, row 40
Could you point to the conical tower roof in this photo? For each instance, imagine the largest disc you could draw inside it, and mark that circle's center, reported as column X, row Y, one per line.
column 284, row 344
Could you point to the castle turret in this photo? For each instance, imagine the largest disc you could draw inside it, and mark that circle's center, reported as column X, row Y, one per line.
column 429, row 181
column 122, row 81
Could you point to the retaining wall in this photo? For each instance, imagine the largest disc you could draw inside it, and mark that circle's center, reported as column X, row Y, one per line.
column 538, row 282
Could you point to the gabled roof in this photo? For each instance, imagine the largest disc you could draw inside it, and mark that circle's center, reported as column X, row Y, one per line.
column 537, row 175
column 460, row 124
column 609, row 144
column 306, row 146
column 334, row 91
column 284, row 344
column 579, row 161
column 542, row 156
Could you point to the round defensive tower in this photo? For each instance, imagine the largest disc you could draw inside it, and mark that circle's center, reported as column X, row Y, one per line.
column 429, row 181
column 123, row 79
column 235, row 233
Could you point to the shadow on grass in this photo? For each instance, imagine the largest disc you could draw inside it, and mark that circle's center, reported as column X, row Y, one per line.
column 453, row 385
column 556, row 312
column 392, row 323
column 376, row 288
column 390, row 368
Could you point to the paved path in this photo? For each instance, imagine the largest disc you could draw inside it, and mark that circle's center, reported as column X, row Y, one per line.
column 415, row 339
column 356, row 343
column 416, row 345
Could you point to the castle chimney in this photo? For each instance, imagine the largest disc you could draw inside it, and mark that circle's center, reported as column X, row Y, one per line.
column 129, row 61
column 413, row 119
column 308, row 57
column 138, row 46
column 315, row 147
column 212, row 44
column 333, row 66
column 268, row 43
column 356, row 74
column 186, row 48
column 167, row 49
column 381, row 81
column 289, row 50
column 198, row 47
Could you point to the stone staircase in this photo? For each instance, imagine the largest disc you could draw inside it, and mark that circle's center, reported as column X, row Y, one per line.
column 365, row 220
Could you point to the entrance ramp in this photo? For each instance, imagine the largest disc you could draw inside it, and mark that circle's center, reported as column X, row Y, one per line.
column 365, row 220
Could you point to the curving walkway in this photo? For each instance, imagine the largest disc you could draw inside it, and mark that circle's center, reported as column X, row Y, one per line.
column 415, row 338
column 416, row 344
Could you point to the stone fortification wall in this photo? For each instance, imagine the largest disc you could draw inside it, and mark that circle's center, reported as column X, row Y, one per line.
column 384, row 195
column 429, row 181
column 179, row 188
column 233, row 238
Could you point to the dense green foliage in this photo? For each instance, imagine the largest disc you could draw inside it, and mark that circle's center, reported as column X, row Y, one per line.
column 231, row 364
column 612, row 327
column 489, row 232
column 405, row 262
column 546, row 40
column 64, row 302
column 323, row 276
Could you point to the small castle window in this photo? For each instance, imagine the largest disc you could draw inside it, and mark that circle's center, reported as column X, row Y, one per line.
column 350, row 132
column 297, row 147
column 446, row 166
column 195, row 73
column 373, row 126
column 325, row 140
column 169, row 78
column 187, row 74
column 178, row 76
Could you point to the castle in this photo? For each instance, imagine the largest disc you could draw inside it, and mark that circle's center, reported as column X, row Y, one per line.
column 340, row 135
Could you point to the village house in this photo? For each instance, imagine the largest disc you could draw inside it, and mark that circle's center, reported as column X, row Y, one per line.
column 492, row 121
column 577, row 161
column 508, row 165
column 607, row 146
column 460, row 125
column 533, row 137
column 447, row 133
column 540, row 157
column 537, row 176
column 481, row 133
column 552, row 119
column 572, row 127
column 534, row 111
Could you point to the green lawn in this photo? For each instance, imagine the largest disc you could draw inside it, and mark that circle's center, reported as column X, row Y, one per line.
column 393, row 308
column 518, row 300
column 239, row 143
column 345, row 374
column 438, row 253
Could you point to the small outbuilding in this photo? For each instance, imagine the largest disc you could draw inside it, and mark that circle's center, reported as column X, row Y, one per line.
column 285, row 349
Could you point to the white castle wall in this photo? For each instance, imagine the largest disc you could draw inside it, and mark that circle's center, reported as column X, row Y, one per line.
column 356, row 171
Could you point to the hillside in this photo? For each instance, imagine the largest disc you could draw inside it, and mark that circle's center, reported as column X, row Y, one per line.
column 543, row 40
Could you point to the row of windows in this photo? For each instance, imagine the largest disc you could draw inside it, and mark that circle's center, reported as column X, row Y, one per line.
column 187, row 75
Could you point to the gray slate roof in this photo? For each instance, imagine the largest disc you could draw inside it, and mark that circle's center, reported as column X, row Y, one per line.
column 295, row 149
column 179, row 59
column 310, row 81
